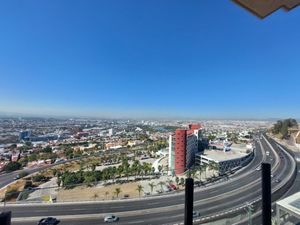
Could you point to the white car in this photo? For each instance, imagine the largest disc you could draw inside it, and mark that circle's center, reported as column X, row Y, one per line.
column 111, row 218
column 196, row 214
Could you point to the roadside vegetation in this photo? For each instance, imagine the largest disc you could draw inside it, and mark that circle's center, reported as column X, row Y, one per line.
column 281, row 127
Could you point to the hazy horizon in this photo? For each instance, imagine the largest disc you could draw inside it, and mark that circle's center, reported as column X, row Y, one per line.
column 58, row 116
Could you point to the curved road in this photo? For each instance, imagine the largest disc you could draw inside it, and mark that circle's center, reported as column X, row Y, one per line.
column 240, row 188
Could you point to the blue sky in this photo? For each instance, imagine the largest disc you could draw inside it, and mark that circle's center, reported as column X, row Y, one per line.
column 149, row 58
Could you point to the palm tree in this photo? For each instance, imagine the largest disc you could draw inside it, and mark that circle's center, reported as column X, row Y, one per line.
column 182, row 181
column 193, row 173
column 161, row 183
column 127, row 171
column 120, row 171
column 151, row 185
column 200, row 168
column 204, row 166
column 106, row 194
column 95, row 196
column 117, row 192
column 113, row 172
column 211, row 167
column 152, row 170
column 160, row 168
column 217, row 167
column 177, row 181
column 140, row 188
column 169, row 181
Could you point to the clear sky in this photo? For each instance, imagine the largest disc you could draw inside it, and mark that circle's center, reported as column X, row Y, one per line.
column 151, row 58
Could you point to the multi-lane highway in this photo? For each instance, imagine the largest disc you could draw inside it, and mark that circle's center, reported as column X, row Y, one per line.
column 212, row 202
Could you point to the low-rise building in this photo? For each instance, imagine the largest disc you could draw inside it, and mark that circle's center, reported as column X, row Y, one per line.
column 239, row 156
column 288, row 209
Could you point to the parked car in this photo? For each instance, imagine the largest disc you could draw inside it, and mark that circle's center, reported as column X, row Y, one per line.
column 196, row 214
column 111, row 218
column 173, row 186
column 48, row 221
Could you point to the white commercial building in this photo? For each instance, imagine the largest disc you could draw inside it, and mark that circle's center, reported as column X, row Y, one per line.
column 238, row 156
column 288, row 210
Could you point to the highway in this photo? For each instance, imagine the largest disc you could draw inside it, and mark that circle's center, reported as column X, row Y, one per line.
column 295, row 187
column 240, row 188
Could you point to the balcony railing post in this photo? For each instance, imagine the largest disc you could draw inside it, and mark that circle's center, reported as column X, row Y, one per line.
column 266, row 194
column 5, row 218
column 189, row 201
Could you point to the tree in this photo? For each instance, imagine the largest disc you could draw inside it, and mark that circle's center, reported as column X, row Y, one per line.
column 69, row 153
column 169, row 181
column 12, row 166
column 38, row 178
column 120, row 171
column 282, row 126
column 161, row 183
column 23, row 174
column 95, row 196
column 216, row 167
column 211, row 137
column 140, row 188
column 151, row 185
column 177, row 180
column 204, row 166
column 89, row 179
column 160, row 168
column 127, row 171
column 28, row 144
column 32, row 157
column 211, row 166
column 113, row 172
column 93, row 167
column 47, row 149
column 58, row 181
column 117, row 192
column 182, row 181
column 152, row 170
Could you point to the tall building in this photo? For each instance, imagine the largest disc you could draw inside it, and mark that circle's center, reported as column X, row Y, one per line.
column 110, row 132
column 183, row 145
column 24, row 135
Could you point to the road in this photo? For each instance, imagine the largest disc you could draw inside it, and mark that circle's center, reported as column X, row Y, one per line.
column 209, row 201
column 295, row 187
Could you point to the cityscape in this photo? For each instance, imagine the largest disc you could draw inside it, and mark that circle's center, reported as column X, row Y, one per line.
column 149, row 113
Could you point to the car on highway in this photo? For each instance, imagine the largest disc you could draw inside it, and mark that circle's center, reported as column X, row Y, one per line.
column 48, row 221
column 277, row 180
column 111, row 218
column 173, row 186
column 258, row 168
column 196, row 214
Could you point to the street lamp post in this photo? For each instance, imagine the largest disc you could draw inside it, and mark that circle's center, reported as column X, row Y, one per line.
column 249, row 211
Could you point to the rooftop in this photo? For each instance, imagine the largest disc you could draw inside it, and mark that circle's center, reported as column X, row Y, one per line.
column 237, row 151
column 291, row 203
